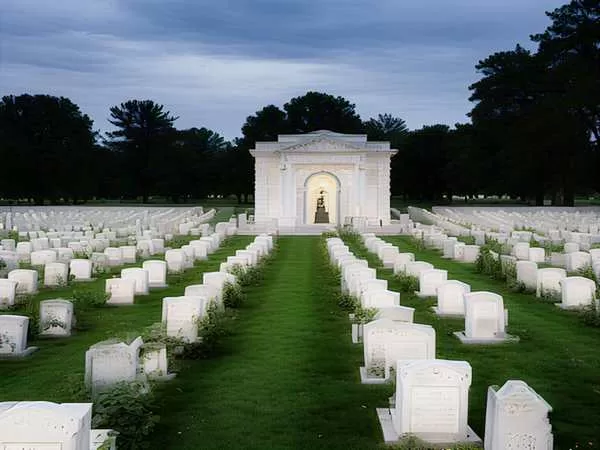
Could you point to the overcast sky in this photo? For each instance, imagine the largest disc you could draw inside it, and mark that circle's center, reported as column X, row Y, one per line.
column 214, row 62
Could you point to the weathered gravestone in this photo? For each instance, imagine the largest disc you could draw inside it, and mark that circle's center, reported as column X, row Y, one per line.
column 110, row 362
column 431, row 402
column 13, row 336
column 45, row 426
column 517, row 418
column 56, row 274
column 56, row 317
column 386, row 341
column 26, row 279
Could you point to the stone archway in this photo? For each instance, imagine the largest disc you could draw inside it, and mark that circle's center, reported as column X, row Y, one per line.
column 325, row 186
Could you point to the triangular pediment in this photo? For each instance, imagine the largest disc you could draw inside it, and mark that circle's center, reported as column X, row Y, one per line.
column 322, row 145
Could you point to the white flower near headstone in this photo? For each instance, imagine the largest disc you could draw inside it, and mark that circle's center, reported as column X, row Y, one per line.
column 45, row 426
column 431, row 402
column 13, row 336
column 56, row 317
column 517, row 417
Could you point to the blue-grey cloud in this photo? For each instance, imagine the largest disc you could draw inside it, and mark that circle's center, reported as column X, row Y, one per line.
column 214, row 63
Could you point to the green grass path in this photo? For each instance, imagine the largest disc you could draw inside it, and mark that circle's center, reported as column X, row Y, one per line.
column 289, row 376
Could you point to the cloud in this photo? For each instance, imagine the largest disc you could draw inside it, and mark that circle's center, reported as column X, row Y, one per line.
column 214, row 63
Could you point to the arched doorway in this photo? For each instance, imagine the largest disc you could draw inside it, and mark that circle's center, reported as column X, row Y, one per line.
column 321, row 203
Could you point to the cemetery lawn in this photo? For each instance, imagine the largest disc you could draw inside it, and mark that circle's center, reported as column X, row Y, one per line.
column 56, row 372
column 558, row 355
column 289, row 376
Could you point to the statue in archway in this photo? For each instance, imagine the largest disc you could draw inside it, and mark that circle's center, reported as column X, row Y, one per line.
column 321, row 215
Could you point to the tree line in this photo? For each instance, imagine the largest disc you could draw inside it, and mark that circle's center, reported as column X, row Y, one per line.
column 533, row 134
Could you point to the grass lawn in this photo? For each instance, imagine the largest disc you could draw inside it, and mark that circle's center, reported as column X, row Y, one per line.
column 57, row 369
column 289, row 378
column 558, row 356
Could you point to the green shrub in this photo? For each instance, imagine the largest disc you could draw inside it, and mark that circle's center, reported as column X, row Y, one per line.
column 249, row 275
column 157, row 334
column 468, row 240
column 347, row 302
column 588, row 272
column 590, row 314
column 407, row 283
column 233, row 295
column 489, row 264
column 130, row 409
column 29, row 307
column 364, row 315
column 87, row 298
column 212, row 328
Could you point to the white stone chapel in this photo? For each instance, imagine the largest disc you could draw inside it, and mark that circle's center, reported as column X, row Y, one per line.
column 322, row 177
